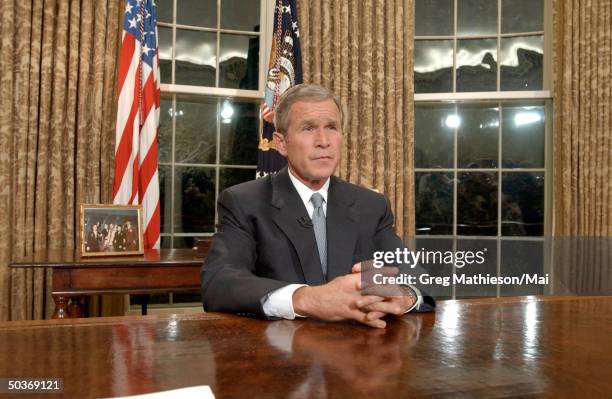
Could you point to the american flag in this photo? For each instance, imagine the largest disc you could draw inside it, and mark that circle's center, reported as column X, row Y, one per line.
column 136, row 179
column 284, row 71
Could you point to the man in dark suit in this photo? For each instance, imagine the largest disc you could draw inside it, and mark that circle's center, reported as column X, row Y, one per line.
column 290, row 245
column 131, row 237
column 94, row 240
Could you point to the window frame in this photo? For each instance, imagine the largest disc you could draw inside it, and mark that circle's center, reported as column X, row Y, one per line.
column 545, row 93
column 172, row 91
column 500, row 98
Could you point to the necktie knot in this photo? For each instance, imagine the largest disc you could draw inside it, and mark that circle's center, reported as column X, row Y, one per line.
column 317, row 200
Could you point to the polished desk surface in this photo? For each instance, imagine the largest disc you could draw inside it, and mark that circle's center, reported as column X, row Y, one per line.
column 71, row 259
column 507, row 347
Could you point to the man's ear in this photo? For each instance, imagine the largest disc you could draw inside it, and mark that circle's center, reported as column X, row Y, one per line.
column 279, row 143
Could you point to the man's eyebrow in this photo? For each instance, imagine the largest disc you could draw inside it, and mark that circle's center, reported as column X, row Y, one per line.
column 307, row 122
column 315, row 121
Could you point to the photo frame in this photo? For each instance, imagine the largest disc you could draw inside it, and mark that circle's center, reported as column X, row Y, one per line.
column 111, row 230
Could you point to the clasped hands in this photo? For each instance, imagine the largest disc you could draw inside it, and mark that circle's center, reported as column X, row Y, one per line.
column 342, row 299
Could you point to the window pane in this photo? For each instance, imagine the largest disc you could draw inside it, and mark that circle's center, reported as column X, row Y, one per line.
column 166, row 242
column 194, row 202
column 197, row 13
column 434, row 135
column 523, row 204
column 165, row 196
column 239, row 62
column 489, row 266
column 520, row 257
column 522, row 16
column 196, row 130
column 164, row 10
column 435, row 266
column 239, row 132
column 434, row 17
column 230, row 177
column 476, row 17
column 164, row 132
column 477, row 204
column 434, row 203
column 522, row 63
column 478, row 136
column 165, row 54
column 433, row 66
column 523, row 136
column 240, row 15
column 196, row 57
column 477, row 65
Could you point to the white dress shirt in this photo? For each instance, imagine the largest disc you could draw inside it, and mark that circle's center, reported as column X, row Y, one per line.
column 279, row 303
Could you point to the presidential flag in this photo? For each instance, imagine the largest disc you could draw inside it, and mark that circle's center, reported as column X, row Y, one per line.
column 136, row 179
column 284, row 71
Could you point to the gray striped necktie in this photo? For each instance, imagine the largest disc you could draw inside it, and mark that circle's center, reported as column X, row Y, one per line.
column 320, row 229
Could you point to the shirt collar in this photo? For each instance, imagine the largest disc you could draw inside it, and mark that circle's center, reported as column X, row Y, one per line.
column 306, row 192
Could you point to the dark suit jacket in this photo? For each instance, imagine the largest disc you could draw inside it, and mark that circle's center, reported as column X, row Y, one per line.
column 94, row 242
column 263, row 244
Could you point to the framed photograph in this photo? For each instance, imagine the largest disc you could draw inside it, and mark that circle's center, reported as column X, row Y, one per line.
column 111, row 230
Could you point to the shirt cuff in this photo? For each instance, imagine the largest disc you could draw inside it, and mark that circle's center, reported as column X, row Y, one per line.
column 279, row 303
column 418, row 295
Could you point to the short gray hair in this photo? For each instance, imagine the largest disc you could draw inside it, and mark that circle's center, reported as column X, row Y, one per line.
column 302, row 92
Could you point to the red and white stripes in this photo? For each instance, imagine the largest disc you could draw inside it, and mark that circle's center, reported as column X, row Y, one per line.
column 136, row 178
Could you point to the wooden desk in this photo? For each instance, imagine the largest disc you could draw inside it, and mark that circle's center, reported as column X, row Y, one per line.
column 508, row 347
column 163, row 271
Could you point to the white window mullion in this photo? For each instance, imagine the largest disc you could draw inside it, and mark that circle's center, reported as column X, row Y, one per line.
column 484, row 95
column 454, row 74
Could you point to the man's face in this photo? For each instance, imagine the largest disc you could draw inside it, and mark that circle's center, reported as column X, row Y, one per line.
column 312, row 142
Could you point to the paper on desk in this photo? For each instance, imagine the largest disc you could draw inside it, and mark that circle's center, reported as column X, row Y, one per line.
column 199, row 392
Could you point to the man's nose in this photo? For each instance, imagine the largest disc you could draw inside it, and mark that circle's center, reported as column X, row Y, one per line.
column 321, row 139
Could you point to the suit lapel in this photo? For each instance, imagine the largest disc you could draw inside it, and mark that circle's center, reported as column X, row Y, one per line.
column 341, row 230
column 289, row 211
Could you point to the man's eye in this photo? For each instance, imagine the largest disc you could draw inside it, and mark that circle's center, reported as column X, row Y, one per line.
column 308, row 128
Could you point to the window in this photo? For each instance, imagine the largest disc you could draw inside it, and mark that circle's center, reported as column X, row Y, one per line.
column 212, row 77
column 212, row 83
column 478, row 46
column 480, row 168
column 482, row 131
